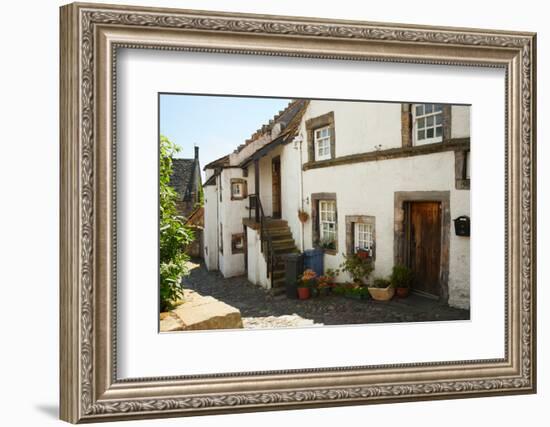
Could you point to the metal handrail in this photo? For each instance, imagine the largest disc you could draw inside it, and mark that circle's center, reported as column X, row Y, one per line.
column 266, row 241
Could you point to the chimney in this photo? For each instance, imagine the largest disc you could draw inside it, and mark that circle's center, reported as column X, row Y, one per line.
column 196, row 152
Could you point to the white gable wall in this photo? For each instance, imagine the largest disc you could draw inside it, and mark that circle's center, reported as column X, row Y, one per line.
column 210, row 233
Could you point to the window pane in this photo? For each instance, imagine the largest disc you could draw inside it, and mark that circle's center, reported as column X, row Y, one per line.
column 439, row 119
column 420, row 135
column 421, row 123
column 419, row 110
column 438, row 107
column 430, row 133
column 429, row 121
column 428, row 108
column 439, row 131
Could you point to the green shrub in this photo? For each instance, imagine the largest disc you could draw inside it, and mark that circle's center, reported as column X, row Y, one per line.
column 401, row 276
column 174, row 235
column 380, row 282
column 358, row 267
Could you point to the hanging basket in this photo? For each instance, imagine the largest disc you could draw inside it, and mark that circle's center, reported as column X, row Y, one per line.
column 303, row 216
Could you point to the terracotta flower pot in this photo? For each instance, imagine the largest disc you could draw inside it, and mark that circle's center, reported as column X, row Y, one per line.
column 382, row 294
column 402, row 292
column 303, row 293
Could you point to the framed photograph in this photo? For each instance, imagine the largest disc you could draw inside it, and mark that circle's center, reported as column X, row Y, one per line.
column 267, row 212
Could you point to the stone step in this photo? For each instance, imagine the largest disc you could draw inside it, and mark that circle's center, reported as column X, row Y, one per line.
column 279, row 283
column 283, row 242
column 277, row 291
column 270, row 221
column 285, row 250
column 281, row 236
column 277, row 274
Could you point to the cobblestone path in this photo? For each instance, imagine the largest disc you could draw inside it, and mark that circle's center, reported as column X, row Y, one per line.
column 260, row 309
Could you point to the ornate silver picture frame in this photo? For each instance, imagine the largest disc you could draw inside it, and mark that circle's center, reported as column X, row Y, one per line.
column 91, row 390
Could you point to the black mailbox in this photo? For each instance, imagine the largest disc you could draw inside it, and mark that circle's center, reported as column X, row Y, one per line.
column 462, row 226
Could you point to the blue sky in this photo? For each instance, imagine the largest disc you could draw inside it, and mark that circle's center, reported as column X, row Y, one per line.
column 217, row 124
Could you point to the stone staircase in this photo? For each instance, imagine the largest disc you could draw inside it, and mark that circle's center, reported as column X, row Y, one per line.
column 283, row 243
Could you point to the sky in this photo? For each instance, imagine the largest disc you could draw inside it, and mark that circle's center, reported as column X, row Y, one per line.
column 217, row 124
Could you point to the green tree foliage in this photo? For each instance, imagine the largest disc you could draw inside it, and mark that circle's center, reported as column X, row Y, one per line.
column 174, row 234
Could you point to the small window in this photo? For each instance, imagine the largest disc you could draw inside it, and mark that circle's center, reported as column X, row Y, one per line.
column 327, row 224
column 322, row 143
column 238, row 189
column 237, row 243
column 428, row 123
column 364, row 237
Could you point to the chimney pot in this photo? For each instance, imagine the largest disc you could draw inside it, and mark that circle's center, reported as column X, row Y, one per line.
column 196, row 152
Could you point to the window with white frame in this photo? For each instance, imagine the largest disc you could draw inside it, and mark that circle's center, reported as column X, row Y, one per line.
column 327, row 224
column 363, row 237
column 428, row 123
column 322, row 143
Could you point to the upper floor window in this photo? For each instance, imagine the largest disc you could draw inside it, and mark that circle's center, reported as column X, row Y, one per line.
column 321, row 138
column 238, row 189
column 322, row 143
column 428, row 123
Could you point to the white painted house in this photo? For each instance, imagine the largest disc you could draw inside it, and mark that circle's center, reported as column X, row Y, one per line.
column 387, row 177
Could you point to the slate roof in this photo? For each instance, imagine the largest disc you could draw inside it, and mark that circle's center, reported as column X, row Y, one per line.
column 183, row 172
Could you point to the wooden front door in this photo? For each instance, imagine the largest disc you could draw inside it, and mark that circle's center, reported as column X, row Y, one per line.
column 424, row 242
column 276, row 184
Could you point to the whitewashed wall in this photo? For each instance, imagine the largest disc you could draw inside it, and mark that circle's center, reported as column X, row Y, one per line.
column 211, row 227
column 257, row 266
column 358, row 188
column 460, row 121
column 231, row 216
column 362, row 125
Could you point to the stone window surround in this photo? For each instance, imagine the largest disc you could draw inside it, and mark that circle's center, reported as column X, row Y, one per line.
column 315, row 228
column 462, row 182
column 316, row 123
column 244, row 192
column 399, row 241
column 351, row 220
column 234, row 239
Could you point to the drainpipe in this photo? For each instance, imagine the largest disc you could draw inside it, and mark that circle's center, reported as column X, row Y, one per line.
column 299, row 139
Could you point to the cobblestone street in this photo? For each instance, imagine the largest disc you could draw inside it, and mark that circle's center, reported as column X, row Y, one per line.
column 259, row 309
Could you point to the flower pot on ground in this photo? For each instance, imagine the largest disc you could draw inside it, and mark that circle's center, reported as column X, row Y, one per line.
column 381, row 290
column 401, row 279
column 303, row 293
column 306, row 282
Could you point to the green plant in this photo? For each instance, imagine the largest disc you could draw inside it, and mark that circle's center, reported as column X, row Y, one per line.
column 359, row 268
column 308, row 279
column 381, row 282
column 401, row 276
column 328, row 244
column 357, row 291
column 174, row 235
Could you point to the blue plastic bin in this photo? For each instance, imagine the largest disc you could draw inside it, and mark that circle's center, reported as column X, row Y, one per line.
column 313, row 259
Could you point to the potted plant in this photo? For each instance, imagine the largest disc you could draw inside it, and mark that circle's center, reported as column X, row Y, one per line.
column 401, row 279
column 328, row 244
column 305, row 283
column 326, row 283
column 303, row 216
column 381, row 289
column 356, row 291
column 358, row 267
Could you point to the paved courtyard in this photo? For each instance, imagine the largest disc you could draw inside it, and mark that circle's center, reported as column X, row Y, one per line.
column 260, row 309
